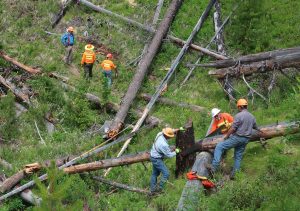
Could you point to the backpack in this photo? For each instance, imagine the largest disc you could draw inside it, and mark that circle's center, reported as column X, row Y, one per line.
column 64, row 39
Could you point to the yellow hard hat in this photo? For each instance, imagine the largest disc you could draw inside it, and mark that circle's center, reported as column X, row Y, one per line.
column 241, row 102
column 89, row 47
column 70, row 29
column 168, row 132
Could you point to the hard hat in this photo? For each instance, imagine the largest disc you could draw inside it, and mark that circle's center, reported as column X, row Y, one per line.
column 241, row 102
column 214, row 112
column 168, row 132
column 89, row 47
column 109, row 55
column 70, row 29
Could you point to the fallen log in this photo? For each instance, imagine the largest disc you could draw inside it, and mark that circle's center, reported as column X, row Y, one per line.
column 270, row 131
column 18, row 64
column 168, row 75
column 249, row 58
column 167, row 101
column 190, row 195
column 20, row 109
column 122, row 186
column 151, row 30
column 278, row 62
column 5, row 164
column 61, row 13
column 60, row 77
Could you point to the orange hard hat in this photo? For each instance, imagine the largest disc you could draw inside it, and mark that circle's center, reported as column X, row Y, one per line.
column 168, row 132
column 70, row 29
column 109, row 55
column 241, row 102
column 89, row 47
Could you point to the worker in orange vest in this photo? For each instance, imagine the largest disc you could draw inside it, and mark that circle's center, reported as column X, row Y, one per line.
column 87, row 61
column 221, row 122
column 107, row 67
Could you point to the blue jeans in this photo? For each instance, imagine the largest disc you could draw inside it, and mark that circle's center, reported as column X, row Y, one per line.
column 108, row 76
column 238, row 143
column 158, row 167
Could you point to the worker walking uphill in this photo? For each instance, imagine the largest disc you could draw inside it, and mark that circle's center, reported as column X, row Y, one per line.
column 221, row 122
column 67, row 39
column 107, row 67
column 159, row 151
column 237, row 137
column 87, row 61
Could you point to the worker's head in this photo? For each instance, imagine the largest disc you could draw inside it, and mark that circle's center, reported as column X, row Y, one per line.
column 168, row 132
column 70, row 29
column 242, row 104
column 215, row 112
column 109, row 56
column 89, row 47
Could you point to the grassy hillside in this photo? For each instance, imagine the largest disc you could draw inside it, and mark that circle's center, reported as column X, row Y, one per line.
column 269, row 177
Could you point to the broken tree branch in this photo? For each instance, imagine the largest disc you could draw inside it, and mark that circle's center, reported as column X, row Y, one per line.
column 61, row 13
column 254, row 90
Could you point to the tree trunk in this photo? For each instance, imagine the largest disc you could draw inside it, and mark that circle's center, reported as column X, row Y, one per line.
column 270, row 131
column 190, row 195
column 251, row 58
column 167, row 101
column 18, row 64
column 218, row 23
column 279, row 62
column 61, row 13
column 185, row 140
column 143, row 67
column 122, row 186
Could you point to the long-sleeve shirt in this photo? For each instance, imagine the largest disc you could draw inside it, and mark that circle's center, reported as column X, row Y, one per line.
column 160, row 148
column 243, row 123
column 225, row 118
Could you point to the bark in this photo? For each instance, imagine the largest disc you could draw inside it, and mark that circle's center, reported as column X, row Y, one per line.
column 151, row 30
column 185, row 140
column 270, row 131
column 28, row 69
column 190, row 195
column 279, row 62
column 143, row 67
column 167, row 101
column 251, row 58
column 21, row 96
column 122, row 186
column 218, row 23
column 61, row 13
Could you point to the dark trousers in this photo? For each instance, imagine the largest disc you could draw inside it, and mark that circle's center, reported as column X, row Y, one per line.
column 88, row 71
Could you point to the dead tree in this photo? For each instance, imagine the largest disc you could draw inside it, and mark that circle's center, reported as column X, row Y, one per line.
column 61, row 13
column 167, row 101
column 19, row 65
column 122, row 186
column 190, row 195
column 143, row 67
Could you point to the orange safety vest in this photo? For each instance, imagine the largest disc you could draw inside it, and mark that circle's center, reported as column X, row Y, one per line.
column 225, row 119
column 108, row 65
column 88, row 57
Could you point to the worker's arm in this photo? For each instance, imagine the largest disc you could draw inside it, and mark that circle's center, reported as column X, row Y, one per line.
column 230, row 131
column 167, row 151
column 261, row 133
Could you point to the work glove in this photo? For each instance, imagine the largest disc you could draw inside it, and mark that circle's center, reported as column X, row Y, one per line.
column 177, row 150
column 181, row 129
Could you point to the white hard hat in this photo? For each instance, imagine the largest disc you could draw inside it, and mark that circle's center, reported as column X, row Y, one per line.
column 214, row 112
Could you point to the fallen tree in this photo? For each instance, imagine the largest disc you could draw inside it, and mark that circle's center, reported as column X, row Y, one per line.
column 18, row 64
column 278, row 62
column 167, row 101
column 61, row 13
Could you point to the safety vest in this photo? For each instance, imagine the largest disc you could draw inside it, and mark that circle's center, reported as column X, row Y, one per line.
column 88, row 57
column 108, row 65
column 225, row 123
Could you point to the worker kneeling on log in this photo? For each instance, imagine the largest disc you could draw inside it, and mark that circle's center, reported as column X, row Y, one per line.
column 237, row 137
column 221, row 122
column 159, row 151
column 87, row 61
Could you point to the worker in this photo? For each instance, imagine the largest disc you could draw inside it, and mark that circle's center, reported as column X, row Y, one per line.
column 160, row 150
column 221, row 122
column 87, row 61
column 107, row 67
column 237, row 137
column 67, row 39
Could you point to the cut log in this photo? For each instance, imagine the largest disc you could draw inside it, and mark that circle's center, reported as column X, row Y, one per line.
column 18, row 64
column 61, row 13
column 167, row 101
column 151, row 30
column 250, row 58
column 270, row 131
column 21, row 96
column 122, row 186
column 278, row 62
column 190, row 195
column 143, row 67
column 185, row 140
